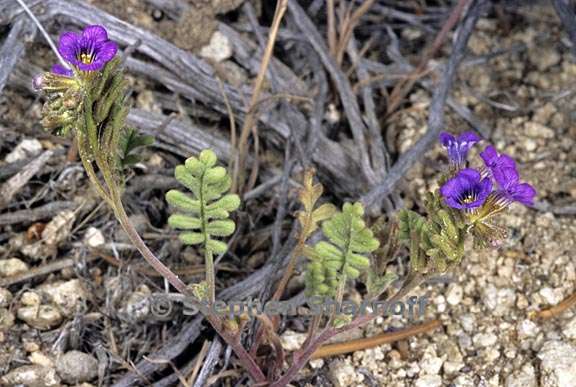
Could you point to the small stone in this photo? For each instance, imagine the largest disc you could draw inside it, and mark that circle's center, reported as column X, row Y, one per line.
column 454, row 294
column 5, row 297
column 530, row 145
column 484, row 340
column 31, row 376
column 558, row 364
column 6, row 319
column 41, row 317
column 428, row 381
column 136, row 307
column 343, row 374
column 430, row 363
column 292, row 341
column 464, row 381
column 316, row 363
column 12, row 266
column 77, row 367
column 41, row 359
column 30, row 299
column 544, row 57
column 527, row 328
column 524, row 377
column 67, row 296
column 26, row 149
column 551, row 296
column 219, row 49
column 570, row 329
column 94, row 237
column 30, row 346
column 536, row 130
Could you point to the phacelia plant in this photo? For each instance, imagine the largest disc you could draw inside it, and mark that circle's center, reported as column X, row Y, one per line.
column 88, row 99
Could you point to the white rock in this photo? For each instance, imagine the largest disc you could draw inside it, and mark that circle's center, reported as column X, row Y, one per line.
column 30, row 299
column 570, row 329
column 136, row 307
column 67, row 296
column 551, row 296
column 527, row 328
column 12, row 266
column 343, row 374
column 536, row 130
column 26, row 149
column 94, row 237
column 485, row 339
column 558, row 364
column 524, row 377
column 463, row 381
column 219, row 49
column 292, row 341
column 41, row 359
column 430, row 363
column 40, row 317
column 6, row 320
column 77, row 367
column 428, row 381
column 5, row 297
column 454, row 294
column 31, row 376
column 316, row 363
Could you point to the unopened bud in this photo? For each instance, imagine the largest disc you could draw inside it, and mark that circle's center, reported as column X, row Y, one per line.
column 38, row 82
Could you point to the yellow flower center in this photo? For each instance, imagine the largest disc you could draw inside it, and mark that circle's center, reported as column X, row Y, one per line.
column 86, row 58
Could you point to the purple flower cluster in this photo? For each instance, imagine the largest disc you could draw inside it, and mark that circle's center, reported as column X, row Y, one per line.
column 88, row 51
column 469, row 189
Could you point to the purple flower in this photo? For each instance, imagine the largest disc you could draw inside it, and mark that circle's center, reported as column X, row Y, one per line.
column 458, row 147
column 88, row 51
column 493, row 160
column 466, row 190
column 511, row 189
column 504, row 172
column 58, row 69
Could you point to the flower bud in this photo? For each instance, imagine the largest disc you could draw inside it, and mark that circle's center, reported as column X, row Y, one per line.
column 38, row 82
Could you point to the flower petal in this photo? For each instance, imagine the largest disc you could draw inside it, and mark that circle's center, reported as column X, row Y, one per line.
column 95, row 33
column 524, row 193
column 446, row 139
column 469, row 137
column 489, row 155
column 470, row 174
column 506, row 177
column 106, row 51
column 94, row 66
column 68, row 46
column 61, row 70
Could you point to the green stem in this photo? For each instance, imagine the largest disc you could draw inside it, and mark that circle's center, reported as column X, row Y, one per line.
column 208, row 255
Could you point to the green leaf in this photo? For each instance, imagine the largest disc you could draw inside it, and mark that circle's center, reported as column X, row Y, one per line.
column 208, row 202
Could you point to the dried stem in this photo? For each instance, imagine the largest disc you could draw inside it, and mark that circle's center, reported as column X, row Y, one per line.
column 374, row 341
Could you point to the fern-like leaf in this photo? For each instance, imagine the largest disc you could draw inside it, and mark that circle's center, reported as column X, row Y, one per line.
column 342, row 256
column 204, row 215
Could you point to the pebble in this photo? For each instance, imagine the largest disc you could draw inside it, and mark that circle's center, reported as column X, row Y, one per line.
column 464, row 381
column 67, row 296
column 292, row 341
column 26, row 149
column 219, row 49
column 551, row 296
column 6, row 319
column 485, row 339
column 570, row 329
column 94, row 237
column 527, row 328
column 343, row 374
column 454, row 294
column 5, row 297
column 136, row 306
column 12, row 266
column 77, row 367
column 558, row 364
column 428, row 381
column 536, row 130
column 30, row 299
column 430, row 363
column 31, row 376
column 544, row 57
column 524, row 377
column 41, row 317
